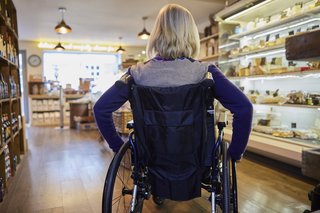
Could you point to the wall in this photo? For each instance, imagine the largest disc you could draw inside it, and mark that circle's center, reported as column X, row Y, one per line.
column 32, row 48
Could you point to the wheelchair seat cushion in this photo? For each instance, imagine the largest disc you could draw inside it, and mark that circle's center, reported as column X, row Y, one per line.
column 171, row 137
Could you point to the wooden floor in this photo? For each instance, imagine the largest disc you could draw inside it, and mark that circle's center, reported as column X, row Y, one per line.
column 64, row 171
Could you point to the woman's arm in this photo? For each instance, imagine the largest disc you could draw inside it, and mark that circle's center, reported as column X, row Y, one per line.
column 241, row 108
column 109, row 102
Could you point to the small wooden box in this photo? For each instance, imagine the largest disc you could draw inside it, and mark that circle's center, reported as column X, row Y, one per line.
column 120, row 119
column 304, row 46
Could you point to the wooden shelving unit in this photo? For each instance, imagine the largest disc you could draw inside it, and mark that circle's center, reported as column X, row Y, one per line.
column 46, row 110
column 209, row 50
column 288, row 150
column 12, row 147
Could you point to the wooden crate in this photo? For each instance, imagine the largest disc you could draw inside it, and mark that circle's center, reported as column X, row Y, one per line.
column 120, row 119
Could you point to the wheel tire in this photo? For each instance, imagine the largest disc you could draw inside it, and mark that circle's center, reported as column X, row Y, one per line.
column 158, row 200
column 226, row 204
column 119, row 178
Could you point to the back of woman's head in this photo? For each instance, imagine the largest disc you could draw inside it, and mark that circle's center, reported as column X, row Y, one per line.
column 174, row 34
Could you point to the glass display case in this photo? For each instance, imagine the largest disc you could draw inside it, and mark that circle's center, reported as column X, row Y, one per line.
column 285, row 94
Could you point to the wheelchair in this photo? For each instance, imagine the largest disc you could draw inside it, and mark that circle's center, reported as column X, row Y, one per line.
column 130, row 178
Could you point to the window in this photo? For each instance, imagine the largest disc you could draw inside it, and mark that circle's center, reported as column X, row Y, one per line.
column 68, row 67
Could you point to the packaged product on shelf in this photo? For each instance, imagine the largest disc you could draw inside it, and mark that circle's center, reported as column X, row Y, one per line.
column 46, row 118
column 297, row 8
column 56, row 117
column 261, row 22
column 296, row 98
column 253, row 95
column 51, row 117
column 40, row 117
column 305, row 134
column 275, row 18
column 45, row 105
column 250, row 26
column 34, row 118
column 271, row 97
column 283, row 133
column 7, row 162
column 263, row 129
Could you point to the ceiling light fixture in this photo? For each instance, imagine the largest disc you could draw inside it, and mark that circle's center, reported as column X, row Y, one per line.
column 59, row 47
column 120, row 49
column 144, row 34
column 62, row 27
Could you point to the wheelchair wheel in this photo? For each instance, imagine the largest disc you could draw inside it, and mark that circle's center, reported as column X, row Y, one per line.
column 226, row 189
column 118, row 188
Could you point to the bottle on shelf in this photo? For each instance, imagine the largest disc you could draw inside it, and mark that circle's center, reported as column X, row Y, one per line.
column 1, row 189
column 1, row 90
column 2, row 46
column 7, row 13
column 5, row 87
column 4, row 129
column 13, row 86
column 8, row 127
column 7, row 162
column 3, row 135
column 14, row 122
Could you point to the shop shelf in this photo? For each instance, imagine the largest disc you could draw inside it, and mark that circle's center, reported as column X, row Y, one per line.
column 3, row 145
column 12, row 31
column 49, row 110
column 44, row 97
column 276, row 47
column 282, row 22
column 210, row 58
column 4, row 100
column 216, row 35
column 281, row 75
column 282, row 149
column 5, row 60
column 291, row 105
column 15, row 134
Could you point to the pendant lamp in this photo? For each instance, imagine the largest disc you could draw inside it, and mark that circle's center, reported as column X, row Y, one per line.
column 59, row 47
column 62, row 27
column 144, row 34
column 120, row 49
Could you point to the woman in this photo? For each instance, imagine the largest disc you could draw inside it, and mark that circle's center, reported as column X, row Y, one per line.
column 173, row 44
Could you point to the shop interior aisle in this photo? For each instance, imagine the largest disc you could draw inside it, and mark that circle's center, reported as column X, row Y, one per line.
column 64, row 171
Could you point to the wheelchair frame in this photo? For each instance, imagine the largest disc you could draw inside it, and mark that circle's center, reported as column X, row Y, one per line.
column 141, row 189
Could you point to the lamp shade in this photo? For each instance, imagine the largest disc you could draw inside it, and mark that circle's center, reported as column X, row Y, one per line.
column 144, row 34
column 59, row 47
column 63, row 28
column 120, row 50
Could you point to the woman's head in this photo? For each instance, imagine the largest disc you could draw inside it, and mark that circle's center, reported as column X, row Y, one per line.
column 174, row 34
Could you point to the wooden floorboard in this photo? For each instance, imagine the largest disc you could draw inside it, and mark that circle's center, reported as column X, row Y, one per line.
column 64, row 171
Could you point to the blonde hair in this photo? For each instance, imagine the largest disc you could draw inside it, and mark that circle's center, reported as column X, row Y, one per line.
column 174, row 34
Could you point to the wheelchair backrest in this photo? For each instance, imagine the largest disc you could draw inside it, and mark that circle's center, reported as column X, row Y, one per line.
column 170, row 129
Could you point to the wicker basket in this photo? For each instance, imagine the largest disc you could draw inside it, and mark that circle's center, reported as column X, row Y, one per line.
column 120, row 119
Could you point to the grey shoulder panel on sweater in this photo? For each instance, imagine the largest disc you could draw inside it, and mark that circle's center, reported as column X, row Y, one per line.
column 169, row 73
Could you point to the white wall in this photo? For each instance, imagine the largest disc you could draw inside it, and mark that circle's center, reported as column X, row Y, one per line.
column 32, row 48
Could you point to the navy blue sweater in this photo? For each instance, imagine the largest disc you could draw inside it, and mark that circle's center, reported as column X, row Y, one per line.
column 225, row 92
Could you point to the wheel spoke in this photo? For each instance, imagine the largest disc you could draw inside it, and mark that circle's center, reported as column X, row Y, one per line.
column 117, row 198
